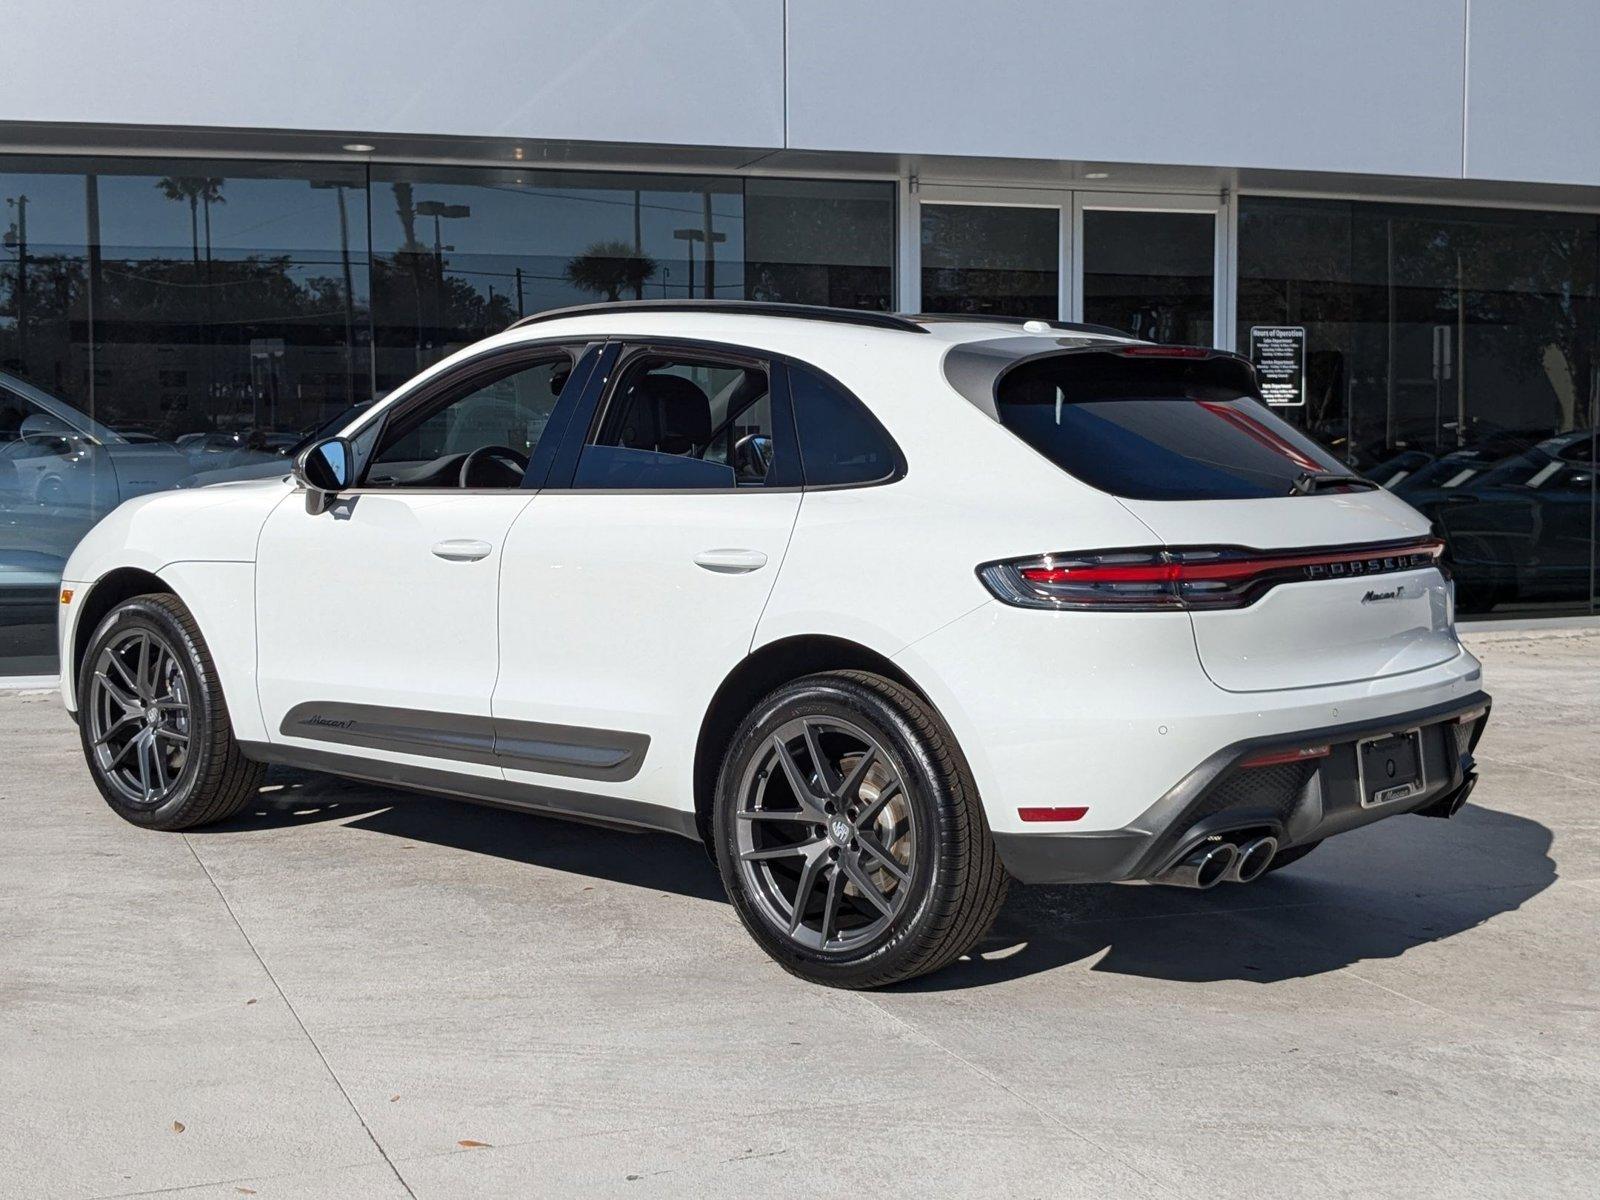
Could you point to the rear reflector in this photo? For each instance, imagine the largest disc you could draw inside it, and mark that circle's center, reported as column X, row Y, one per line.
column 1052, row 814
column 1189, row 577
column 1274, row 758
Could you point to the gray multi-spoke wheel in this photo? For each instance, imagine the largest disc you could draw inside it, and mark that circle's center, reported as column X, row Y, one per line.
column 850, row 835
column 826, row 838
column 138, row 715
column 154, row 721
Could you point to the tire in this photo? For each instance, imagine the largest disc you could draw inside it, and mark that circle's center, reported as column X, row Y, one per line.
column 179, row 768
column 1287, row 858
column 895, row 810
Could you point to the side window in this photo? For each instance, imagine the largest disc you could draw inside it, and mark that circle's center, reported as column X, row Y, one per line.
column 480, row 436
column 685, row 421
column 841, row 443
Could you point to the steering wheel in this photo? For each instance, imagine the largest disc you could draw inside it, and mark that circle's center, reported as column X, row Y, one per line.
column 502, row 454
column 752, row 455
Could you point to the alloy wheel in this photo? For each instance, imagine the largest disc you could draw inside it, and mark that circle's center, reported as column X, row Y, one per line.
column 825, row 835
column 140, row 718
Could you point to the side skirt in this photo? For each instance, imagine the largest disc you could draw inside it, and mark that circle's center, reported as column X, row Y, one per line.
column 610, row 811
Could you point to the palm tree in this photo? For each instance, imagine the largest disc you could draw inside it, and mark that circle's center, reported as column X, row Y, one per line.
column 196, row 190
column 606, row 268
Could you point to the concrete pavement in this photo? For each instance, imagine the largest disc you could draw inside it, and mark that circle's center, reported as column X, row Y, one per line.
column 351, row 993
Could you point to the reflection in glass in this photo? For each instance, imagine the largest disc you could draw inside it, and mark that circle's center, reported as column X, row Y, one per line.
column 460, row 253
column 989, row 259
column 187, row 320
column 1451, row 357
column 1150, row 274
column 172, row 319
column 811, row 241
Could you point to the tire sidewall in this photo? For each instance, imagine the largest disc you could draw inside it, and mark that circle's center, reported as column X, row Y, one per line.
column 152, row 614
column 929, row 793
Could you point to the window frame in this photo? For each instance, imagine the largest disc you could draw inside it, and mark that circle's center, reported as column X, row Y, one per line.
column 442, row 388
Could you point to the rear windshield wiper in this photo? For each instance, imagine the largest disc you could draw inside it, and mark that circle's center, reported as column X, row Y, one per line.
column 1309, row 483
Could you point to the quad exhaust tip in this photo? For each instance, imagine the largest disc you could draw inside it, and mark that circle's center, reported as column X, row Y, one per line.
column 1203, row 867
column 1211, row 863
column 1253, row 859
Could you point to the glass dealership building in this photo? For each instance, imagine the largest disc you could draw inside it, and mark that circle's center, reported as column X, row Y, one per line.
column 203, row 263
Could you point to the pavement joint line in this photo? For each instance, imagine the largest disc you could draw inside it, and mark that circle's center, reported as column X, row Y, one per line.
column 282, row 995
column 1046, row 1114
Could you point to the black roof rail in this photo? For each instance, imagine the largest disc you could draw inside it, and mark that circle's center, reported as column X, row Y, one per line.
column 1002, row 319
column 754, row 308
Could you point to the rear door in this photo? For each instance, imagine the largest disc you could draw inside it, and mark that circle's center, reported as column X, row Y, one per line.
column 633, row 582
column 1180, row 437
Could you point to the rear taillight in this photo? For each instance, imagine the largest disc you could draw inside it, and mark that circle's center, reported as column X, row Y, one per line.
column 1141, row 351
column 1185, row 578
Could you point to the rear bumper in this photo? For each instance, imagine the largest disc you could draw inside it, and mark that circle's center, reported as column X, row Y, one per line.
column 1295, row 802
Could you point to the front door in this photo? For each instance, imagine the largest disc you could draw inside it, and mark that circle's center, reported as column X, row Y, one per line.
column 632, row 587
column 377, row 618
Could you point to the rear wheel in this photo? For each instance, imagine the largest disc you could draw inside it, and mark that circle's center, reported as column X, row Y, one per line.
column 154, row 723
column 850, row 836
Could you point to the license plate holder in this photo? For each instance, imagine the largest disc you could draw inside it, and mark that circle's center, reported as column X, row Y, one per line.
column 1391, row 768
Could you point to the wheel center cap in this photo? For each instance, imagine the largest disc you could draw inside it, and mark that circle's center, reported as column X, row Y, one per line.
column 152, row 717
column 840, row 831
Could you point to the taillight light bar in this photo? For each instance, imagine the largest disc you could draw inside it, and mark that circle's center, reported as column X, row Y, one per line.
column 1186, row 578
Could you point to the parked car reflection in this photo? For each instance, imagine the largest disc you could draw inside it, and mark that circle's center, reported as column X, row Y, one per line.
column 276, row 456
column 67, row 466
column 1519, row 525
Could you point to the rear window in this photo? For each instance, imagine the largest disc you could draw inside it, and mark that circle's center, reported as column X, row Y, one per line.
column 1156, row 429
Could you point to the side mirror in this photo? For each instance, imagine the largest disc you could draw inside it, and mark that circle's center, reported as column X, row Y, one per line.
column 324, row 469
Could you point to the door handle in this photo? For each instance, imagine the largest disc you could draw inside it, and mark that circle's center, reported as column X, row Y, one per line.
column 730, row 562
column 462, row 549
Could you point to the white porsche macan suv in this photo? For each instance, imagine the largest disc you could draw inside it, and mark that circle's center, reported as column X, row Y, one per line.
column 886, row 610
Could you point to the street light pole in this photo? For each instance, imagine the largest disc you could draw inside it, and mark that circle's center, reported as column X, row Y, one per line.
column 349, row 287
column 439, row 210
column 17, row 237
column 693, row 235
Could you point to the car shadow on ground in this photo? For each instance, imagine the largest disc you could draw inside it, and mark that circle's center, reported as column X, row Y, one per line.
column 1375, row 893
column 1372, row 894
column 637, row 858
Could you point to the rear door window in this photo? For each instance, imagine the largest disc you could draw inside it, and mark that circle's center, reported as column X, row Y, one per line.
column 1157, row 428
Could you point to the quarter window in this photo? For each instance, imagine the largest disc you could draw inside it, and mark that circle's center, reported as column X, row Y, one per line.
column 840, row 441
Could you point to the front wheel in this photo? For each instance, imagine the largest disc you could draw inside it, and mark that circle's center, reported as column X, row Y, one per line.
column 154, row 722
column 850, row 835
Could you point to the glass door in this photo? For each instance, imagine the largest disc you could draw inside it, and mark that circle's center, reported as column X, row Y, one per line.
column 998, row 251
column 1150, row 265
column 1154, row 266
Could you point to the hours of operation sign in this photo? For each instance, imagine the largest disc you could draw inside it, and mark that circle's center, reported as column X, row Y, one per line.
column 1279, row 353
